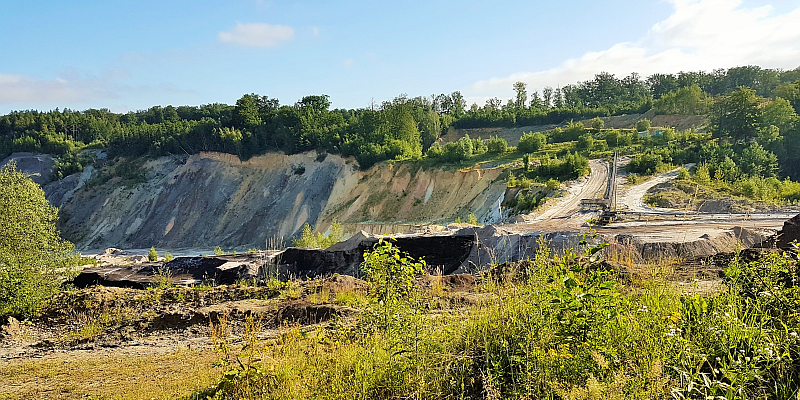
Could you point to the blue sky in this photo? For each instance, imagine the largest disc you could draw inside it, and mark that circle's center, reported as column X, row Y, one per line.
column 132, row 55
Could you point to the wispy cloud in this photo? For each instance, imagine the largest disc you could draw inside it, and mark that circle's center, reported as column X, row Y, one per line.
column 698, row 35
column 70, row 87
column 257, row 35
column 74, row 87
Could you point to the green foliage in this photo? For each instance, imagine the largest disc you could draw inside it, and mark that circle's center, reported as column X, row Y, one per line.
column 689, row 100
column 309, row 240
column 683, row 174
column 702, row 175
column 472, row 219
column 168, row 257
column 737, row 115
column 647, row 164
column 531, row 142
column 598, row 123
column 392, row 292
column 218, row 251
column 32, row 254
column 642, row 125
column 152, row 255
column 496, row 145
column 550, row 327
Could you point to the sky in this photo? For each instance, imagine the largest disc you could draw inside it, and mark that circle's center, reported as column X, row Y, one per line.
column 131, row 55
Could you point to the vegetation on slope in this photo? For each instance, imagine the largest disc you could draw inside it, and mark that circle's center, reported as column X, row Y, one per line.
column 554, row 327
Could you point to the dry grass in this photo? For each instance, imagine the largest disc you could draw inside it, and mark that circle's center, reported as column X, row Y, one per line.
column 108, row 375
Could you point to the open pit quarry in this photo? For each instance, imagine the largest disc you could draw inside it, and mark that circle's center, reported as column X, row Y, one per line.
column 205, row 200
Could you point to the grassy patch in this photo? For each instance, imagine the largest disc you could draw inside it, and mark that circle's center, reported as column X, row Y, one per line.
column 552, row 328
column 110, row 376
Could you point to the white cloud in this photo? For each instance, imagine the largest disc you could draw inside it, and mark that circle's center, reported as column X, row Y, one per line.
column 70, row 87
column 257, row 35
column 699, row 35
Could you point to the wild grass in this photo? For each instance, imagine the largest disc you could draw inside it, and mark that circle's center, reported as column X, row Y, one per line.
column 557, row 327
column 117, row 375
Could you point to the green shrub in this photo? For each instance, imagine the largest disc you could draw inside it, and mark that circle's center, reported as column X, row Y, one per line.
column 218, row 251
column 152, row 255
column 168, row 257
column 642, row 125
column 532, row 142
column 598, row 123
column 496, row 145
column 309, row 240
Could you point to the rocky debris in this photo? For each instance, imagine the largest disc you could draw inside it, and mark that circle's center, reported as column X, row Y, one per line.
column 713, row 266
column 10, row 329
column 444, row 251
column 705, row 246
column 304, row 313
column 180, row 271
column 790, row 233
column 39, row 167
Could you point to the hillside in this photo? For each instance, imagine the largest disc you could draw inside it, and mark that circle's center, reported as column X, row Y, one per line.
column 212, row 199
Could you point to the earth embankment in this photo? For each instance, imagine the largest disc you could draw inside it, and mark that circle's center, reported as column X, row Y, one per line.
column 214, row 199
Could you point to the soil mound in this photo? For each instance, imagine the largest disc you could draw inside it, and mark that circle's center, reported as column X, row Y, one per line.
column 180, row 271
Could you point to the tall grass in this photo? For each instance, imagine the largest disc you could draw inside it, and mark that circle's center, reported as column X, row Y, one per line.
column 555, row 327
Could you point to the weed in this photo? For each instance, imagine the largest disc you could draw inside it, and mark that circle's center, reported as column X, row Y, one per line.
column 162, row 278
column 350, row 298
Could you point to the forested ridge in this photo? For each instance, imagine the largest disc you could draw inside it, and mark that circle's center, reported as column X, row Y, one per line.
column 746, row 105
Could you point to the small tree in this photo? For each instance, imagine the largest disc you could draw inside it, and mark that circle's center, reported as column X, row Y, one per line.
column 152, row 255
column 168, row 257
column 218, row 251
column 393, row 294
column 32, row 254
column 598, row 123
column 642, row 125
column 472, row 219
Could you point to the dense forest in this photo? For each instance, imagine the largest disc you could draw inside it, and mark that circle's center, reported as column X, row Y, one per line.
column 749, row 108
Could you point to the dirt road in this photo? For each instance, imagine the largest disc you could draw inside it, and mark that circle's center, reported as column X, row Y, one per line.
column 632, row 199
column 564, row 213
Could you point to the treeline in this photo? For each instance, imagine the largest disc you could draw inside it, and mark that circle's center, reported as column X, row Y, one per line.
column 606, row 95
column 399, row 129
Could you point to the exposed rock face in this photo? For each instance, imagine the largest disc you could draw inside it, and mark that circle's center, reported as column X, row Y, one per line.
column 211, row 199
column 39, row 167
column 180, row 271
column 789, row 233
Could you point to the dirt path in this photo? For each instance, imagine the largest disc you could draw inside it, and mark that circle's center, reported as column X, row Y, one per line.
column 633, row 198
column 569, row 204
column 564, row 213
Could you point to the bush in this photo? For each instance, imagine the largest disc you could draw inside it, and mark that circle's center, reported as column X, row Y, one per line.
column 496, row 145
column 598, row 123
column 532, row 142
column 309, row 240
column 152, row 255
column 32, row 254
column 642, row 125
